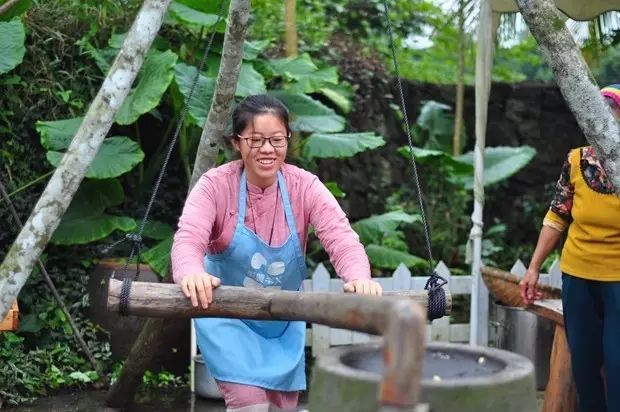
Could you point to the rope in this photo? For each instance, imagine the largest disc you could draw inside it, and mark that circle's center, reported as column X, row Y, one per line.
column 435, row 283
column 136, row 238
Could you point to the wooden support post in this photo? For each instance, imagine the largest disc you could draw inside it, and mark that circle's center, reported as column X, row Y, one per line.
column 561, row 395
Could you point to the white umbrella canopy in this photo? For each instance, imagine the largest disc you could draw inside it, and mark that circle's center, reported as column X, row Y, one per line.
column 575, row 9
column 490, row 11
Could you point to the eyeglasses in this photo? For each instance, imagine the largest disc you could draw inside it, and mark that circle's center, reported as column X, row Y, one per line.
column 258, row 141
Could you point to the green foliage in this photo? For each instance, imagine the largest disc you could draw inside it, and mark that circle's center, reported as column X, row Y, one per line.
column 42, row 354
column 308, row 114
column 85, row 221
column 203, row 94
column 436, row 127
column 608, row 71
column 155, row 76
column 500, row 162
column 117, row 156
column 340, row 145
column 384, row 241
column 27, row 373
column 12, row 48
column 17, row 9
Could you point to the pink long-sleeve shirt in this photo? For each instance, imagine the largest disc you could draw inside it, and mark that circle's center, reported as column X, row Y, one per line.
column 209, row 218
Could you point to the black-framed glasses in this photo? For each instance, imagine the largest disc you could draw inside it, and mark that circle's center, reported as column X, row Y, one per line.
column 258, row 141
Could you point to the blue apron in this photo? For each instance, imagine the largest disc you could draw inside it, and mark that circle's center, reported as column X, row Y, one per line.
column 268, row 354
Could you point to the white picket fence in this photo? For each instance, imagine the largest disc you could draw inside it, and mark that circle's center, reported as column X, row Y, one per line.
column 321, row 338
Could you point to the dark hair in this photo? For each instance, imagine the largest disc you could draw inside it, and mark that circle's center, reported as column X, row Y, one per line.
column 256, row 105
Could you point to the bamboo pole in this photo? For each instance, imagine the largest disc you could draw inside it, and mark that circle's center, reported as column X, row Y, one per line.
column 53, row 203
column 399, row 317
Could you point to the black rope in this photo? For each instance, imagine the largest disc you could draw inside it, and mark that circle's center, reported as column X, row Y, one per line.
column 136, row 238
column 435, row 283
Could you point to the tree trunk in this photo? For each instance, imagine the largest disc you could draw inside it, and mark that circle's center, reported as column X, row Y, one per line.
column 290, row 28
column 57, row 196
column 460, row 82
column 156, row 334
column 166, row 300
column 576, row 83
column 225, row 87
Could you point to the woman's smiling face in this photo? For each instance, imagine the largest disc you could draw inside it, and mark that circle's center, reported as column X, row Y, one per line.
column 262, row 163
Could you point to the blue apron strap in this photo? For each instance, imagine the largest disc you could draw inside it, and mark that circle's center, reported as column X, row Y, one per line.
column 292, row 227
column 242, row 199
column 288, row 211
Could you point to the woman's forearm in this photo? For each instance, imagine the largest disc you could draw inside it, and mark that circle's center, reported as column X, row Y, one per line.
column 547, row 240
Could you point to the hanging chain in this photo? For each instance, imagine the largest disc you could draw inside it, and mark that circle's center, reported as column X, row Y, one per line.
column 136, row 238
column 435, row 281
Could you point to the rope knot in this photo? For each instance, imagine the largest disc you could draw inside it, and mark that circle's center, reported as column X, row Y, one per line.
column 436, row 296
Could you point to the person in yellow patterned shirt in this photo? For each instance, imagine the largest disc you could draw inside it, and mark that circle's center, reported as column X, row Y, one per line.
column 586, row 204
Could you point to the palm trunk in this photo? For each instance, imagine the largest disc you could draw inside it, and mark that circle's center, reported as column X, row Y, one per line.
column 290, row 29
column 576, row 83
column 157, row 334
column 59, row 192
column 460, row 85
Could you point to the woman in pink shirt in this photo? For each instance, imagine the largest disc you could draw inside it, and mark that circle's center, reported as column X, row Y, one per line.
column 246, row 224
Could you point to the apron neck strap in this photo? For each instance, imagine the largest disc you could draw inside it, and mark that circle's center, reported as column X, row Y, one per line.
column 288, row 210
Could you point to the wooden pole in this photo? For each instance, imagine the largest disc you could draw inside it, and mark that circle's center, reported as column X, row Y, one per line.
column 399, row 317
column 165, row 300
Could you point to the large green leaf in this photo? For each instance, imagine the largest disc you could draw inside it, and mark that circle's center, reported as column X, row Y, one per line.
column 15, row 10
column 57, row 134
column 12, row 50
column 117, row 156
column 309, row 115
column 158, row 257
column 90, row 228
column 437, row 122
column 292, row 68
column 203, row 94
column 192, row 15
column 340, row 145
column 251, row 49
column 373, row 228
column 456, row 166
column 387, row 258
column 94, row 196
column 155, row 77
column 209, row 7
column 313, row 82
column 157, row 230
column 339, row 94
column 500, row 162
column 250, row 81
column 84, row 221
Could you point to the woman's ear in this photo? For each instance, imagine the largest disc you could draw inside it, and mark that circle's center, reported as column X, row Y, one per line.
column 235, row 143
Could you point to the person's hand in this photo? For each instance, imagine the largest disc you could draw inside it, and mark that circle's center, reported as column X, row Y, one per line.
column 199, row 288
column 529, row 291
column 363, row 287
